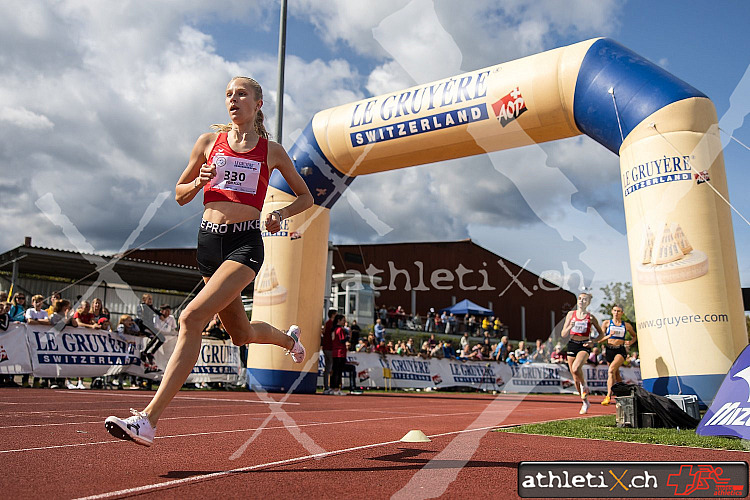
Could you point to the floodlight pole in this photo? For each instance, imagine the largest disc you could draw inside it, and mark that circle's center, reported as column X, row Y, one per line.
column 282, row 57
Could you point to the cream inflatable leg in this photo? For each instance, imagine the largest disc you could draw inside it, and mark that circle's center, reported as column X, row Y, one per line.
column 289, row 290
column 682, row 253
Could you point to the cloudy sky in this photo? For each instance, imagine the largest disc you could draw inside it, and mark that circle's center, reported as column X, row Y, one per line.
column 101, row 102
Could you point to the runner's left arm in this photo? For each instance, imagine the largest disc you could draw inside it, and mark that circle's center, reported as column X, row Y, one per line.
column 279, row 159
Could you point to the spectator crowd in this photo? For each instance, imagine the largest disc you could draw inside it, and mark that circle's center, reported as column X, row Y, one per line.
column 55, row 312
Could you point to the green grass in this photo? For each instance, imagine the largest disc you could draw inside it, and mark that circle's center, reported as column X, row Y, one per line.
column 604, row 427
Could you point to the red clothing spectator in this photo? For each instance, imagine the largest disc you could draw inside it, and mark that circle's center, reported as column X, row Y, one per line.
column 339, row 342
column 86, row 318
column 340, row 335
column 326, row 342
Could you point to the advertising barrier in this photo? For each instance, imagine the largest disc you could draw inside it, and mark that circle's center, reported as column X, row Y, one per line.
column 83, row 352
column 413, row 372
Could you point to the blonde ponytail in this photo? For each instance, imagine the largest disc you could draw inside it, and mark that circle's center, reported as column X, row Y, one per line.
column 260, row 128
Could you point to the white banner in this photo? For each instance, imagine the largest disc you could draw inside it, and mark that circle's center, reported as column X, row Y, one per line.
column 82, row 352
column 77, row 352
column 219, row 361
column 401, row 372
column 14, row 350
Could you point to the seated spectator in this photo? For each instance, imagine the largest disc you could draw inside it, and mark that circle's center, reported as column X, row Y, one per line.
column 424, row 351
column 502, row 350
column 103, row 324
column 540, row 353
column 4, row 316
column 3, row 296
column 362, row 346
column 54, row 298
column 521, row 353
column 127, row 326
column 97, row 309
column 558, row 355
column 465, row 340
column 36, row 315
column 410, row 349
column 448, row 351
column 84, row 316
column 381, row 348
column 437, row 351
column 165, row 322
column 596, row 357
column 61, row 316
column 512, row 360
column 215, row 330
column 432, row 341
column 486, row 348
column 390, row 347
column 476, row 352
column 18, row 308
column 466, row 353
column 401, row 348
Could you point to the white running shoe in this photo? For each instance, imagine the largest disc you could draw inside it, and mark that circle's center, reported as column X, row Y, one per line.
column 137, row 428
column 338, row 392
column 298, row 351
column 585, row 407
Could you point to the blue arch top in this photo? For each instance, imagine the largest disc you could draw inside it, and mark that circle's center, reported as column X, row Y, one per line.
column 325, row 182
column 640, row 87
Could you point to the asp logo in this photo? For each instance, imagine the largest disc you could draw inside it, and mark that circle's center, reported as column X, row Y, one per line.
column 692, row 478
column 510, row 107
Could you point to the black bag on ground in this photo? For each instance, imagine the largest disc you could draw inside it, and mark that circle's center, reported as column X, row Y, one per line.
column 667, row 410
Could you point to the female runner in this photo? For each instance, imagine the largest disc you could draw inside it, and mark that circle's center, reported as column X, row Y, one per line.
column 232, row 168
column 614, row 335
column 578, row 324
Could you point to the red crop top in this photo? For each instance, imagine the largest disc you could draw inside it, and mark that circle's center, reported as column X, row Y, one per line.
column 240, row 177
column 581, row 327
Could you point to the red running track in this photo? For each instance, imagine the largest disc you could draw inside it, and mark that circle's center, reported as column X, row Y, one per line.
column 241, row 445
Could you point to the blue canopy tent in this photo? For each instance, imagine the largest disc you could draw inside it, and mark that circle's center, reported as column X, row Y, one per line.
column 468, row 307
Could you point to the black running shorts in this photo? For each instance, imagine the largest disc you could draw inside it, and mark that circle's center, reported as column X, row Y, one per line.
column 240, row 242
column 613, row 351
column 576, row 346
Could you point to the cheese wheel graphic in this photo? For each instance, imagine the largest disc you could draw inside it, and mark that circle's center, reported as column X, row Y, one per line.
column 694, row 265
column 268, row 290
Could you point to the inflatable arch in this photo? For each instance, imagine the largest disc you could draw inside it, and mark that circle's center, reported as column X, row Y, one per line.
column 682, row 255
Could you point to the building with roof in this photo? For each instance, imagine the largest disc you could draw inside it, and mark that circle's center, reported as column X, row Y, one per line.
column 421, row 276
column 119, row 281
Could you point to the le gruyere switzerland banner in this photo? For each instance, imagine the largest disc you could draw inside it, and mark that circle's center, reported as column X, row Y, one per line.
column 412, row 372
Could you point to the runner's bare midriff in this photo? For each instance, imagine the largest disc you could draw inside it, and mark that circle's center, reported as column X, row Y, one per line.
column 227, row 212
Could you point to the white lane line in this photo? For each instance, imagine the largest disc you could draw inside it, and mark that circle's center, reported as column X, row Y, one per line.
column 214, row 475
column 257, row 415
column 230, row 431
column 150, row 396
column 190, row 398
